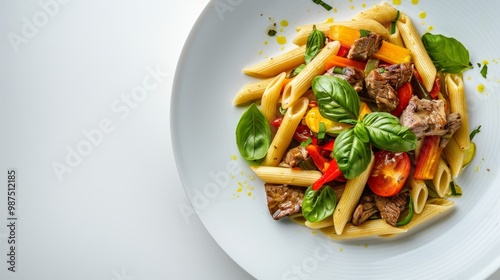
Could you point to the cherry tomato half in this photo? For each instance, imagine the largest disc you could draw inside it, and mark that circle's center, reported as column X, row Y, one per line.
column 389, row 173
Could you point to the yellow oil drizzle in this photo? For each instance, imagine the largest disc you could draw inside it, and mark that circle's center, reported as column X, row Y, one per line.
column 422, row 15
column 281, row 40
column 480, row 88
column 396, row 2
column 414, row 2
column 284, row 23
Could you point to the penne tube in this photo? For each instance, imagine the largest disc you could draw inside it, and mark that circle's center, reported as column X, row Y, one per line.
column 285, row 132
column 421, row 58
column 396, row 39
column 270, row 97
column 369, row 228
column 286, row 175
column 434, row 207
column 454, row 155
column 383, row 13
column 251, row 91
column 419, row 192
column 300, row 38
column 458, row 104
column 350, row 198
column 442, row 179
column 274, row 66
column 328, row 222
column 302, row 82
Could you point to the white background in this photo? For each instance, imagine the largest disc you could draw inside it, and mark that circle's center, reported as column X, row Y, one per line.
column 116, row 209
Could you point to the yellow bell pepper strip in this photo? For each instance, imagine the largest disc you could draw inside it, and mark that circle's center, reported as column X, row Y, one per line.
column 388, row 52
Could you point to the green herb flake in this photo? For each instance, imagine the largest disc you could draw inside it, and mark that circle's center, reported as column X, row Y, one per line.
column 321, row 131
column 323, row 4
column 271, row 32
column 484, row 71
column 474, row 132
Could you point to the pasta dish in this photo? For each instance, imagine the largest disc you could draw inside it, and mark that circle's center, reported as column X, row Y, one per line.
column 362, row 128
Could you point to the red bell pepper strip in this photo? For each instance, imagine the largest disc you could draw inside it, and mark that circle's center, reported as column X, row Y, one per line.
column 428, row 158
column 436, row 88
column 405, row 92
column 331, row 173
column 315, row 152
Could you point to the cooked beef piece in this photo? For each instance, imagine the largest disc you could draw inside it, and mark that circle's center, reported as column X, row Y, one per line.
column 425, row 117
column 381, row 91
column 453, row 123
column 283, row 200
column 294, row 156
column 352, row 75
column 397, row 74
column 365, row 209
column 365, row 47
column 391, row 207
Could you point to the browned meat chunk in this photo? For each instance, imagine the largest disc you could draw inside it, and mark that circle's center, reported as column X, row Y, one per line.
column 365, row 209
column 352, row 75
column 381, row 91
column 365, row 47
column 454, row 122
column 397, row 74
column 425, row 117
column 294, row 156
column 283, row 200
column 391, row 207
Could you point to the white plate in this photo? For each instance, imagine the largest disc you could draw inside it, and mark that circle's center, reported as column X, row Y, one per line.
column 230, row 201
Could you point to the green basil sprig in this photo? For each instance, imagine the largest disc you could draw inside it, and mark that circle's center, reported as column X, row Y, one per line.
column 315, row 42
column 447, row 54
column 317, row 205
column 253, row 134
column 338, row 101
column 386, row 133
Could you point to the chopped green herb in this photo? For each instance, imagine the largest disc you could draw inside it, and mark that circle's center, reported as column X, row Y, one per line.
column 307, row 142
column 323, row 4
column 271, row 32
column 296, row 71
column 474, row 132
column 393, row 23
column 364, row 33
column 484, row 71
column 455, row 190
column 321, row 131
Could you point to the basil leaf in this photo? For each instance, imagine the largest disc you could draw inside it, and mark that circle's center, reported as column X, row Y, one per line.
column 447, row 54
column 253, row 134
column 388, row 134
column 337, row 99
column 352, row 155
column 361, row 133
column 317, row 205
column 315, row 42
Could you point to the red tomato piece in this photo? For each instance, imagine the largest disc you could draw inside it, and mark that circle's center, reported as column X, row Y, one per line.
column 389, row 173
column 405, row 92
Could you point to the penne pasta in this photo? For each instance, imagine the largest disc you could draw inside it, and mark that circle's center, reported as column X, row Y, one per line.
column 285, row 132
column 442, row 179
column 419, row 192
column 286, row 176
column 433, row 208
column 328, row 222
column 369, row 228
column 302, row 82
column 458, row 104
column 269, row 104
column 413, row 42
column 350, row 197
column 300, row 38
column 383, row 13
column 454, row 155
column 281, row 63
column 251, row 91
column 396, row 39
